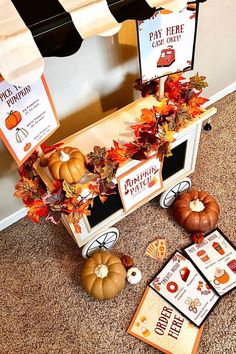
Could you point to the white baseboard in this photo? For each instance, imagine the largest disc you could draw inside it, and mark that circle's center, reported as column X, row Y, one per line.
column 222, row 93
column 19, row 214
column 11, row 219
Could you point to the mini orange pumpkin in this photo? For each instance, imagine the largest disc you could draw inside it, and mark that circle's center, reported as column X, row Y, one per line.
column 27, row 146
column 67, row 164
column 13, row 119
column 196, row 211
column 103, row 275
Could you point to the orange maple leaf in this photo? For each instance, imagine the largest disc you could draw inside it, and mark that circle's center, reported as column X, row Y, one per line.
column 37, row 210
column 173, row 86
column 27, row 188
column 83, row 209
column 176, row 77
column 197, row 101
column 76, row 225
column 137, row 129
column 74, row 218
column 117, row 154
column 161, row 105
column 148, row 116
column 195, row 111
column 93, row 189
column 74, row 206
column 163, row 108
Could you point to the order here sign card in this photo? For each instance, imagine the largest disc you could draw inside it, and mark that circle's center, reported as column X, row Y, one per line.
column 157, row 323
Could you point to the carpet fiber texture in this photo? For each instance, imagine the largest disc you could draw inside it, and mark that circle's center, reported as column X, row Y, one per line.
column 44, row 309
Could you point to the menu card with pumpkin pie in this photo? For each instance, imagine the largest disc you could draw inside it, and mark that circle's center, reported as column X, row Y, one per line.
column 180, row 283
column 215, row 258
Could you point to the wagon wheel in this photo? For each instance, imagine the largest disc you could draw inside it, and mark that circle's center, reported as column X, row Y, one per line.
column 167, row 198
column 103, row 241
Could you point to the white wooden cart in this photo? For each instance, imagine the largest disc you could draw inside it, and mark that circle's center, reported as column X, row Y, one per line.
column 96, row 232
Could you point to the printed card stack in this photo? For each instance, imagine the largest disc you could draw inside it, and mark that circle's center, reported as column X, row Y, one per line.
column 183, row 293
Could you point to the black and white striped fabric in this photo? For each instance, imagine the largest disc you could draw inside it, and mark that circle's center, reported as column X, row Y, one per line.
column 53, row 29
column 31, row 30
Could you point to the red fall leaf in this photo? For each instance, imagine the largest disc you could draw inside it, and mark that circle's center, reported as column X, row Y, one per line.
column 198, row 237
column 49, row 148
column 196, row 101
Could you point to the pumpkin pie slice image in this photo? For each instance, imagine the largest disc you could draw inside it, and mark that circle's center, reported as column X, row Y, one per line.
column 184, row 273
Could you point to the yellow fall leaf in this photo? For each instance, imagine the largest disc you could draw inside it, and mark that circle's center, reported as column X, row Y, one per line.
column 72, row 190
column 160, row 106
column 167, row 134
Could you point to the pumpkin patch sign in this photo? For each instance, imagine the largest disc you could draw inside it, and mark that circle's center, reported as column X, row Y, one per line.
column 140, row 183
column 27, row 117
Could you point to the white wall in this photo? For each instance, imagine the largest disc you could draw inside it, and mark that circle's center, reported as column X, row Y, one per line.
column 98, row 79
column 216, row 44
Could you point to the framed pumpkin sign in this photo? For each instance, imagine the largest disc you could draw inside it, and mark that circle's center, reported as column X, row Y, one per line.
column 28, row 117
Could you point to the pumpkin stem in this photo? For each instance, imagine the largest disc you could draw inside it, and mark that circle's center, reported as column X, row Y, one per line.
column 101, row 271
column 64, row 157
column 196, row 205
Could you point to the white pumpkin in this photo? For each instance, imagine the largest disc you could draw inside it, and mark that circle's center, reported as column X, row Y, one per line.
column 133, row 275
column 21, row 134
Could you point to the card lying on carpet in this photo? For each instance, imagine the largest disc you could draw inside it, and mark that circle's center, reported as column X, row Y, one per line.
column 156, row 249
column 160, row 325
column 216, row 260
column 180, row 283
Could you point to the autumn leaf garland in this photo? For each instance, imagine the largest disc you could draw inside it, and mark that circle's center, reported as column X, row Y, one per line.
column 153, row 134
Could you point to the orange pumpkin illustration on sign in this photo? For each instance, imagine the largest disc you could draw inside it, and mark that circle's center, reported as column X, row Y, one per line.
column 13, row 119
column 27, row 147
column 152, row 182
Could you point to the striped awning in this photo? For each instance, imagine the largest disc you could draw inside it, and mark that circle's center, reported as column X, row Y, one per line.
column 31, row 30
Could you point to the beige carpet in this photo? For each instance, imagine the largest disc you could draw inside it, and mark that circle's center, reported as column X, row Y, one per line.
column 43, row 307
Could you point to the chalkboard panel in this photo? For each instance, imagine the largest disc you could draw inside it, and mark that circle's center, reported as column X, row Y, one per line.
column 174, row 163
column 100, row 211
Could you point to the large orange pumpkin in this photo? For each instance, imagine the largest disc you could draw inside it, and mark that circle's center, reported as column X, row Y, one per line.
column 13, row 119
column 196, row 211
column 103, row 275
column 67, row 164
